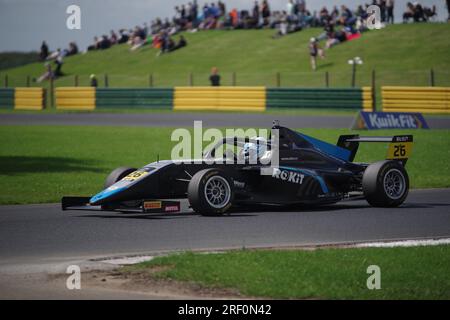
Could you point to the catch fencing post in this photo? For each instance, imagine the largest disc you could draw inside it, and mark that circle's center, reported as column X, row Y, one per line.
column 374, row 98
column 327, row 80
column 6, row 81
column 52, row 93
column 191, row 79
column 28, row 81
column 76, row 80
column 278, row 80
column 150, row 80
column 106, row 81
column 353, row 74
column 431, row 77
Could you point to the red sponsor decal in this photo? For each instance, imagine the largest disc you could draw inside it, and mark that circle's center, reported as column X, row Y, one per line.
column 172, row 208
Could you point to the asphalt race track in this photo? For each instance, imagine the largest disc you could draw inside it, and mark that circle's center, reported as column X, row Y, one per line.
column 32, row 233
column 38, row 240
column 168, row 119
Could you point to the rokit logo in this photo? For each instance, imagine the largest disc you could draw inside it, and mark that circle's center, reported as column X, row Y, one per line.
column 289, row 176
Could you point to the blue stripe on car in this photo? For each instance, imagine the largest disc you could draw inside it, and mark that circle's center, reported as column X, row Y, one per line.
column 105, row 194
column 328, row 148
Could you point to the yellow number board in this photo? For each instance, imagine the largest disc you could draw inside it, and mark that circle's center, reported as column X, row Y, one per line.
column 135, row 175
column 399, row 150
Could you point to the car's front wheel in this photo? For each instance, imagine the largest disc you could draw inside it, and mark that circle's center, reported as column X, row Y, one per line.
column 385, row 184
column 210, row 192
column 117, row 175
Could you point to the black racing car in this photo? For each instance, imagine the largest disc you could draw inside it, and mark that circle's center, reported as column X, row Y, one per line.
column 310, row 171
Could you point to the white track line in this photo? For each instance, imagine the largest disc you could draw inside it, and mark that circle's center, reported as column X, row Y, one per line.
column 403, row 243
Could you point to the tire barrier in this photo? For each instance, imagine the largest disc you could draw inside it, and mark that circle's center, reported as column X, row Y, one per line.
column 342, row 98
column 135, row 98
column 75, row 98
column 416, row 99
column 192, row 98
column 220, row 98
column 22, row 98
column 29, row 99
column 7, row 98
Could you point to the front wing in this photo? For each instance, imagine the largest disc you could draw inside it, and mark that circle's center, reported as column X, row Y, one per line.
column 138, row 206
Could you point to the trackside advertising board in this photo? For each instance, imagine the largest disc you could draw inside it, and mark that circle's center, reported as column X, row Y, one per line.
column 389, row 120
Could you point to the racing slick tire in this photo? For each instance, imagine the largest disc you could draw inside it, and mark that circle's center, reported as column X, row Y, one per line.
column 118, row 174
column 385, row 184
column 210, row 192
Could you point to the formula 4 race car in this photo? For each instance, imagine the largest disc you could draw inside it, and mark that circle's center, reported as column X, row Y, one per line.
column 309, row 171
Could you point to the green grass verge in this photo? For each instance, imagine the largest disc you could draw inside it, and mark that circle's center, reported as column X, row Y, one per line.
column 40, row 164
column 406, row 273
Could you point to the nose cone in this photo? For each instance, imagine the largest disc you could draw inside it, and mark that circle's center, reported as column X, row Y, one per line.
column 105, row 195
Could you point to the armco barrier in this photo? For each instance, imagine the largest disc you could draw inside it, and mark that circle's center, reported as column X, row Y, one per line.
column 220, row 98
column 196, row 98
column 29, row 98
column 22, row 98
column 416, row 99
column 343, row 98
column 6, row 98
column 135, row 98
column 75, row 98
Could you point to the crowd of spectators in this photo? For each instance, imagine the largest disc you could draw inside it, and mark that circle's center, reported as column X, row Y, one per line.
column 418, row 13
column 339, row 24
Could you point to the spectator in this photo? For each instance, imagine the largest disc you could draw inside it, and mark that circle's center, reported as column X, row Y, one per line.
column 214, row 77
column 48, row 74
column 181, row 44
column 73, row 49
column 59, row 63
column 265, row 12
column 314, row 51
column 255, row 14
column 44, row 51
column 113, row 37
column 418, row 13
column 123, row 36
column 290, row 8
column 93, row 46
column 390, row 11
column 222, row 9
column 448, row 10
column 382, row 6
column 429, row 13
column 94, row 82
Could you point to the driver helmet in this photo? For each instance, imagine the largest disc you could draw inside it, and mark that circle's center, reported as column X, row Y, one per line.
column 255, row 150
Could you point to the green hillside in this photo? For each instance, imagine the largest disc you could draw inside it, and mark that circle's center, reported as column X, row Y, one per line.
column 400, row 54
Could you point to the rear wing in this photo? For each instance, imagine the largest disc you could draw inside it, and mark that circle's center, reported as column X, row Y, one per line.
column 400, row 147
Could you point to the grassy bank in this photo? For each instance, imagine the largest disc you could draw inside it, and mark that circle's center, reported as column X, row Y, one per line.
column 400, row 54
column 39, row 164
column 406, row 273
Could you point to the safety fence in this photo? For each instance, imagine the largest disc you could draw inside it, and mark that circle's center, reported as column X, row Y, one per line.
column 416, row 99
column 213, row 98
column 341, row 98
column 75, row 98
column 394, row 98
column 134, row 98
column 220, row 98
column 22, row 98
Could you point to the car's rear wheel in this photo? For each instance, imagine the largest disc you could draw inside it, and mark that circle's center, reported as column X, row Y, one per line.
column 385, row 184
column 117, row 175
column 210, row 192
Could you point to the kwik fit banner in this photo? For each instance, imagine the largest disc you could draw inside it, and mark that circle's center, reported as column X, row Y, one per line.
column 389, row 120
